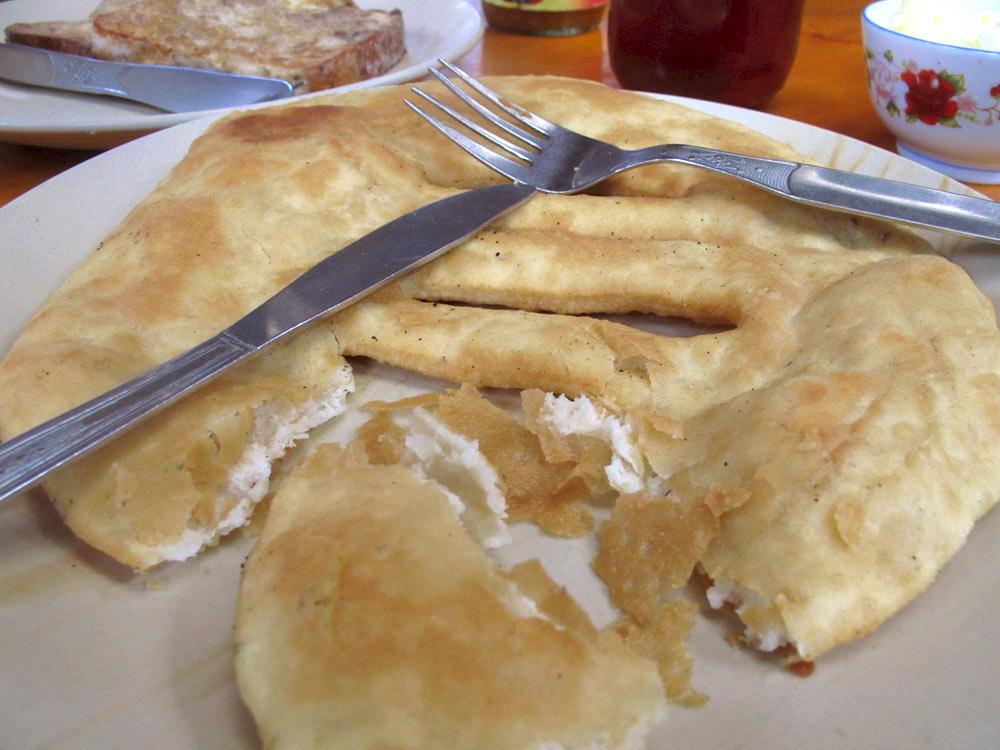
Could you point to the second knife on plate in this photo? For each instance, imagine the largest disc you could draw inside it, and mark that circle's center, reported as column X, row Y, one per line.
column 332, row 284
column 163, row 86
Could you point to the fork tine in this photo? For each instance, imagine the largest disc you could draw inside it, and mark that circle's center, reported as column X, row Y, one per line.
column 500, row 163
column 522, row 115
column 490, row 136
column 514, row 130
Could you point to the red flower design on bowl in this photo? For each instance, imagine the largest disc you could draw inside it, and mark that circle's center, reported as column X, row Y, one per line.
column 930, row 96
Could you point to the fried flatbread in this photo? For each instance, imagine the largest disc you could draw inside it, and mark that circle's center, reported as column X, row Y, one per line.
column 843, row 432
column 845, row 478
column 369, row 618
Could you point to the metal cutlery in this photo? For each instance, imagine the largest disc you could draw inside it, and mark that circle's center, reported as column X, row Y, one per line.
column 166, row 87
column 331, row 285
column 555, row 159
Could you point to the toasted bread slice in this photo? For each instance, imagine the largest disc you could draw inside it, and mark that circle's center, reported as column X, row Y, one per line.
column 317, row 44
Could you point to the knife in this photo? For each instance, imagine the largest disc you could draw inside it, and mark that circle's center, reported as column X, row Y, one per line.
column 332, row 284
column 167, row 87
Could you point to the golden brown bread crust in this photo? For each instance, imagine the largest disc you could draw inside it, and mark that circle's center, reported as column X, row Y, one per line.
column 71, row 37
column 183, row 265
column 368, row 618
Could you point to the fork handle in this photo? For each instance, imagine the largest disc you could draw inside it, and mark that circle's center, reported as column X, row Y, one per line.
column 846, row 191
column 900, row 201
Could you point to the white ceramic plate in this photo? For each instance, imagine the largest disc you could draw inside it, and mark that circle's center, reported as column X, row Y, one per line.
column 92, row 656
column 62, row 119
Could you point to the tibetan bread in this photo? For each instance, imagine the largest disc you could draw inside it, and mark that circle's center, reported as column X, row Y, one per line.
column 841, row 428
column 368, row 618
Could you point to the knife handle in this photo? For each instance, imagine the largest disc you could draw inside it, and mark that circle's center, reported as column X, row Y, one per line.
column 25, row 459
column 844, row 191
column 84, row 74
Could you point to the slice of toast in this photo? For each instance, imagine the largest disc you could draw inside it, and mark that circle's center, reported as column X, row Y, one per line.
column 316, row 44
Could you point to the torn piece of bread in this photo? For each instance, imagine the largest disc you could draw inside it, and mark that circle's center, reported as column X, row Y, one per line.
column 873, row 454
column 455, row 463
column 194, row 472
column 315, row 44
column 368, row 617
column 256, row 202
column 550, row 493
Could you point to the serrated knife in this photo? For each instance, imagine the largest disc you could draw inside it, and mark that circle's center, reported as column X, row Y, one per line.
column 166, row 87
column 332, row 284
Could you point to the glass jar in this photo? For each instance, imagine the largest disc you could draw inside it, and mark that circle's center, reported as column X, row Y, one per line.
column 734, row 51
column 544, row 17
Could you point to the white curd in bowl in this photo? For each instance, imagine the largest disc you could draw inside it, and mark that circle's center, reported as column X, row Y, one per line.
column 974, row 24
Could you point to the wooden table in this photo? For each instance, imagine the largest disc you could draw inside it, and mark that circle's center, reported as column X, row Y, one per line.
column 827, row 86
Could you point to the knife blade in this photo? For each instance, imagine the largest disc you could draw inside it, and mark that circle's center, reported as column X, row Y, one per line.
column 337, row 281
column 167, row 87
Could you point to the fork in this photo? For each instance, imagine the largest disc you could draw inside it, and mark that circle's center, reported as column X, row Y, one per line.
column 554, row 159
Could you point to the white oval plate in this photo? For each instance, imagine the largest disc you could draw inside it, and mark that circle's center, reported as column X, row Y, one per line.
column 62, row 119
column 94, row 656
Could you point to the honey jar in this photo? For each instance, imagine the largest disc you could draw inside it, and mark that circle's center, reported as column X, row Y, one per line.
column 544, row 17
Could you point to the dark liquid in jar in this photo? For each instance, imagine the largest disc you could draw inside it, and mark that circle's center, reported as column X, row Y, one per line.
column 733, row 51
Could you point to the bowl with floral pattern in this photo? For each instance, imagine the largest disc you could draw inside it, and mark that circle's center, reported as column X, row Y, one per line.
column 941, row 101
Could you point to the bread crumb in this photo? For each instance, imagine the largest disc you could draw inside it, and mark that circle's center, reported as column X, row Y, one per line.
column 662, row 640
column 649, row 546
column 800, row 667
